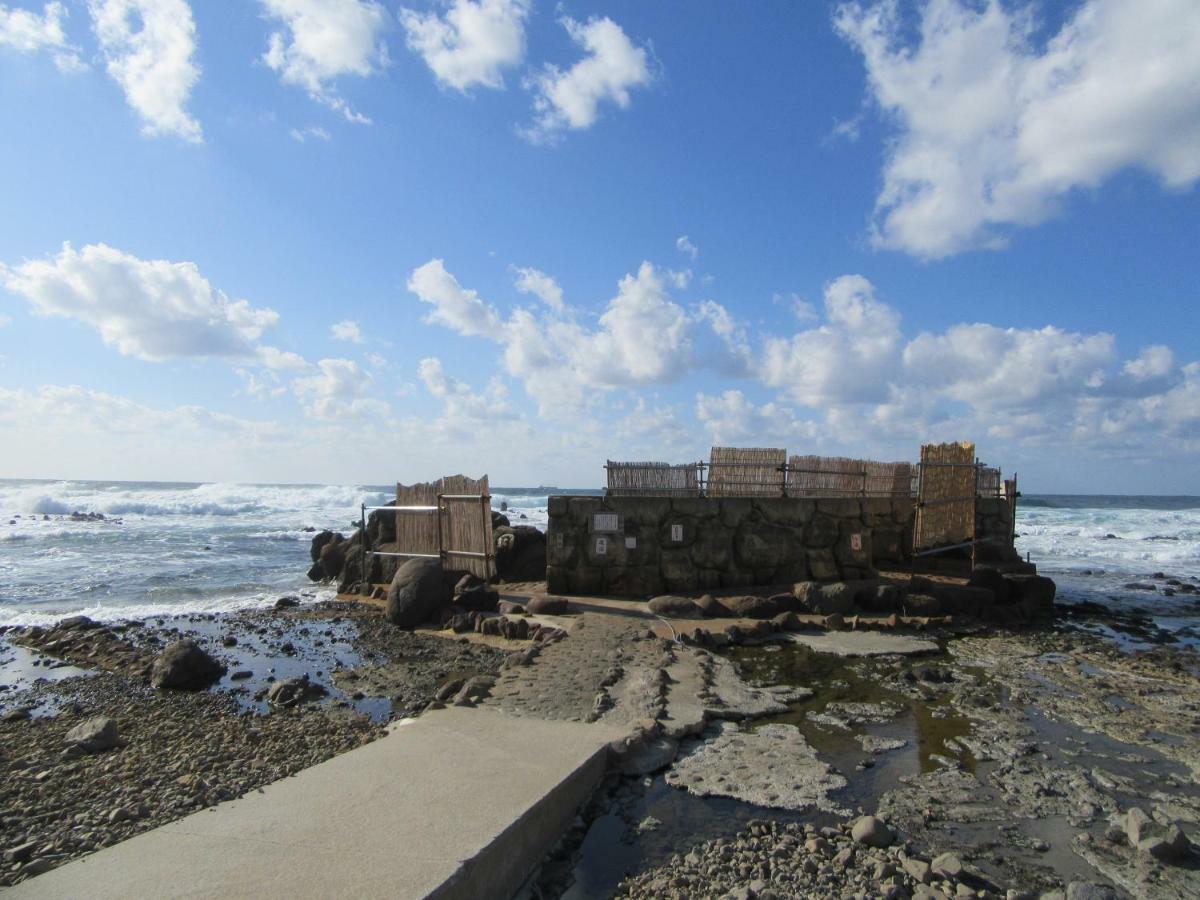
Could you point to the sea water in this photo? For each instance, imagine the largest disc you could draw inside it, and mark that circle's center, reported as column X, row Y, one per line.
column 175, row 548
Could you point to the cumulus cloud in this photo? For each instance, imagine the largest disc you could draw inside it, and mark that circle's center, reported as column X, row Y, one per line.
column 347, row 330
column 995, row 129
column 611, row 67
column 684, row 245
column 27, row 32
column 151, row 309
column 541, row 285
column 471, row 43
column 453, row 305
column 849, row 359
column 460, row 402
column 730, row 417
column 340, row 390
column 323, row 40
column 148, row 47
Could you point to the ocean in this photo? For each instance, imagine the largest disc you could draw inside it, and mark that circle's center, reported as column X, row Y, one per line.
column 169, row 548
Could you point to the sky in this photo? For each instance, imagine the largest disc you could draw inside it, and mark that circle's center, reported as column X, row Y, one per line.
column 362, row 241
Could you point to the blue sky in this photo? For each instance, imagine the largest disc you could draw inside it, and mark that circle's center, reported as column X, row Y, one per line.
column 358, row 241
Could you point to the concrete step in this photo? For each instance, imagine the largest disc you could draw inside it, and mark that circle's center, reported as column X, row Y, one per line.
column 459, row 803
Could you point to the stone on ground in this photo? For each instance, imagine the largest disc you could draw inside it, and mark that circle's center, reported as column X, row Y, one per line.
column 417, row 590
column 95, row 734
column 184, row 666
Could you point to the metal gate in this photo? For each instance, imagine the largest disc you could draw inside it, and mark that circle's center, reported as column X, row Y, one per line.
column 449, row 520
column 946, row 492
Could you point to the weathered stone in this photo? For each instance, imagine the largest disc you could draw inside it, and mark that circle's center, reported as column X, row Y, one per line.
column 947, row 866
column 675, row 607
column 1036, row 590
column 922, row 605
column 557, row 506
column 887, row 544
column 693, row 507
column 842, row 508
column 750, row 607
column 678, row 571
column 834, row 598
column 960, row 599
column 183, row 665
column 989, row 578
column 789, row 511
column 712, row 547
column 711, row 607
column 416, row 593
column 582, row 508
column 917, row 869
column 547, row 605
column 758, row 545
column 293, row 691
column 872, row 832
column 587, row 580
column 94, row 735
column 734, row 510
column 821, row 565
column 633, row 581
column 558, row 580
column 822, row 532
column 880, row 598
column 876, row 511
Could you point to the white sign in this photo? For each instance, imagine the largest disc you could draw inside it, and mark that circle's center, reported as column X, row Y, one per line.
column 856, row 541
column 601, row 546
column 677, row 532
column 630, row 543
column 605, row 522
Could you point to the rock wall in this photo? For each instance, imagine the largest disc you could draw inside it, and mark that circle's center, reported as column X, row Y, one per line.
column 653, row 545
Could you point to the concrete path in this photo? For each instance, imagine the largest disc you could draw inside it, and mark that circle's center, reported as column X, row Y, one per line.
column 459, row 803
column 864, row 643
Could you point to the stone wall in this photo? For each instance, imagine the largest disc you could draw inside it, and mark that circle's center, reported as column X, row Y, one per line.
column 655, row 545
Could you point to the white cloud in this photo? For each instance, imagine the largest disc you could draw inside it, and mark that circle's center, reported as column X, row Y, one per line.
column 315, row 132
column 151, row 309
column 570, row 100
column 1153, row 362
column 148, row 47
column 541, row 285
column 27, row 32
column 346, row 330
column 472, row 42
column 461, row 403
column 684, row 245
column 279, row 360
column 731, row 418
column 260, row 385
column 453, row 305
column 341, row 391
column 325, row 40
column 679, row 279
column 79, row 409
column 994, row 129
column 847, row 360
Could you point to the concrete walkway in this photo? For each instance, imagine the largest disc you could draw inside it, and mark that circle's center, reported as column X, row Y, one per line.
column 459, row 803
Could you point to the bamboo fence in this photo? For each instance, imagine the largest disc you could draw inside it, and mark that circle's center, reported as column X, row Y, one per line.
column 461, row 523
column 746, row 472
column 839, row 476
column 653, row 479
column 946, row 496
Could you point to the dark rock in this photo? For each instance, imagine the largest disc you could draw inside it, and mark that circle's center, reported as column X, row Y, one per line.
column 287, row 602
column 881, row 598
column 77, row 623
column 834, row 598
column 750, row 607
column 476, row 596
column 320, row 541
column 675, row 607
column 547, row 605
column 20, row 714
column 417, row 591
column 93, row 735
column 922, row 605
column 184, row 666
column 510, row 608
column 499, row 520
column 991, row 579
column 785, row 602
column 710, row 607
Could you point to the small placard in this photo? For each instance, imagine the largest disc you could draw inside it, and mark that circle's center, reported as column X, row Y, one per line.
column 630, row 543
column 677, row 532
column 606, row 522
column 601, row 546
column 558, row 541
column 856, row 541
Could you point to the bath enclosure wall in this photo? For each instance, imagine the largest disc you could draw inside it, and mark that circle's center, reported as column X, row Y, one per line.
column 642, row 546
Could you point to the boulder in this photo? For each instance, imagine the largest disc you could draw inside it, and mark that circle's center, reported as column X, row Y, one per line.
column 674, row 607
column 416, row 592
column 962, row 599
column 547, row 605
column 710, row 607
column 947, row 866
column 184, row 666
column 509, row 608
column 834, row 598
column 750, row 607
column 806, row 594
column 320, row 541
column 333, row 558
column 520, row 553
column 872, row 832
column 1036, row 592
column 884, row 598
column 785, row 602
column 94, row 734
column 990, row 578
column 294, row 691
column 922, row 605
column 472, row 593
